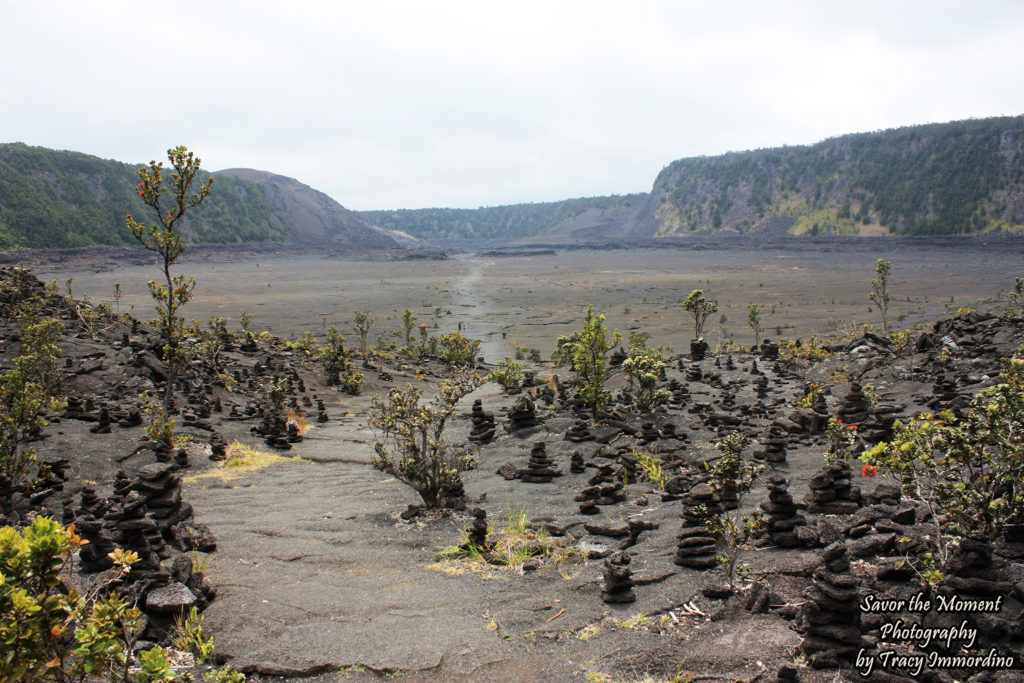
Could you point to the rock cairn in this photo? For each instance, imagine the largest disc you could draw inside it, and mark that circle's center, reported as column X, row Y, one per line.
column 833, row 492
column 580, row 431
column 522, row 414
column 477, row 531
column 680, row 394
column 773, row 445
column 321, row 411
column 605, row 488
column 618, row 579
column 540, row 469
column 649, row 433
column 769, row 350
column 853, row 406
column 697, row 547
column 698, row 349
column 781, row 513
column 830, row 618
column 483, row 424
column 576, row 463
column 693, row 373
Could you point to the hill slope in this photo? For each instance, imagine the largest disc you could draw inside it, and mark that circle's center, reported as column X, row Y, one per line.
column 58, row 199
column 510, row 221
column 936, row 179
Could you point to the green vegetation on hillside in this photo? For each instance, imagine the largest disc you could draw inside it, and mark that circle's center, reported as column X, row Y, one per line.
column 936, row 179
column 56, row 199
column 491, row 222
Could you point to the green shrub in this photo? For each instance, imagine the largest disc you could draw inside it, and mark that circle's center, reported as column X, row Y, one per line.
column 457, row 349
column 643, row 368
column 509, row 374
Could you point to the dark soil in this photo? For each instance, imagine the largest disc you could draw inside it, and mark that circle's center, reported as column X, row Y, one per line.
column 319, row 577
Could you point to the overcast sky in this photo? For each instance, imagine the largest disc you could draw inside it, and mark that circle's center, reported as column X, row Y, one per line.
column 408, row 104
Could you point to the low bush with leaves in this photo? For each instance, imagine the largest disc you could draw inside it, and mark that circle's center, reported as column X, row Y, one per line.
column 457, row 349
column 411, row 444
column 966, row 470
column 509, row 374
column 792, row 351
column 643, row 367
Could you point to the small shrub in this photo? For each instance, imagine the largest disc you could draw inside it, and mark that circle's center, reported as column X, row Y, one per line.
column 456, row 349
column 332, row 357
column 652, row 469
column 643, row 368
column 509, row 374
column 700, row 308
column 411, row 445
column 188, row 636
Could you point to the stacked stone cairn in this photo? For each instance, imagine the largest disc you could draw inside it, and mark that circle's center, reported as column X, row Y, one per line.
column 321, row 411
column 540, row 469
column 853, row 407
column 580, row 431
column 649, row 433
column 477, row 531
column 89, row 525
column 618, row 579
column 833, row 492
column 483, row 424
column 730, row 364
column 769, row 350
column 576, row 463
column 605, row 488
column 698, row 349
column 693, row 373
column 680, row 394
column 773, row 445
column 522, row 414
column 830, row 618
column 697, row 547
column 781, row 513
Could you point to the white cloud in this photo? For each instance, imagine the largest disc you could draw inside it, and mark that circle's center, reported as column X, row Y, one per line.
column 407, row 104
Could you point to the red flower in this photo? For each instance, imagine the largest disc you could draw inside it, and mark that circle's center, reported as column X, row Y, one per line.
column 869, row 471
column 839, row 420
column 851, row 427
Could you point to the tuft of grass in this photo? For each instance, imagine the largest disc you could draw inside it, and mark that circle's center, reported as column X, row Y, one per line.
column 635, row 621
column 586, row 633
column 241, row 459
column 512, row 547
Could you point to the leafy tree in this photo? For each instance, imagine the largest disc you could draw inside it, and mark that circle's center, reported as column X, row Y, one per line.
column 587, row 350
column 363, row 324
column 411, row 445
column 163, row 239
column 880, row 291
column 332, row 356
column 731, row 478
column 700, row 308
column 408, row 324
column 754, row 322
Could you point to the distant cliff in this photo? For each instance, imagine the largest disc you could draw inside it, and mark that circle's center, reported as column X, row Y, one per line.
column 937, row 179
column 58, row 199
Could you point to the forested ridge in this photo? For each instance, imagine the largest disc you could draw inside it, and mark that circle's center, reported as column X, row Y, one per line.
column 508, row 221
column 53, row 199
column 935, row 179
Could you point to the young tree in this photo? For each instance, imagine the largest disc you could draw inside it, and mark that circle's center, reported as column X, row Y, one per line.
column 411, row 445
column 700, row 308
column 731, row 478
column 163, row 239
column 587, row 350
column 754, row 322
column 408, row 324
column 363, row 324
column 332, row 356
column 879, row 292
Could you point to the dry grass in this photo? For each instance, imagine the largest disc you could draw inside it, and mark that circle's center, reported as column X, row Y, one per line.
column 300, row 422
column 241, row 459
